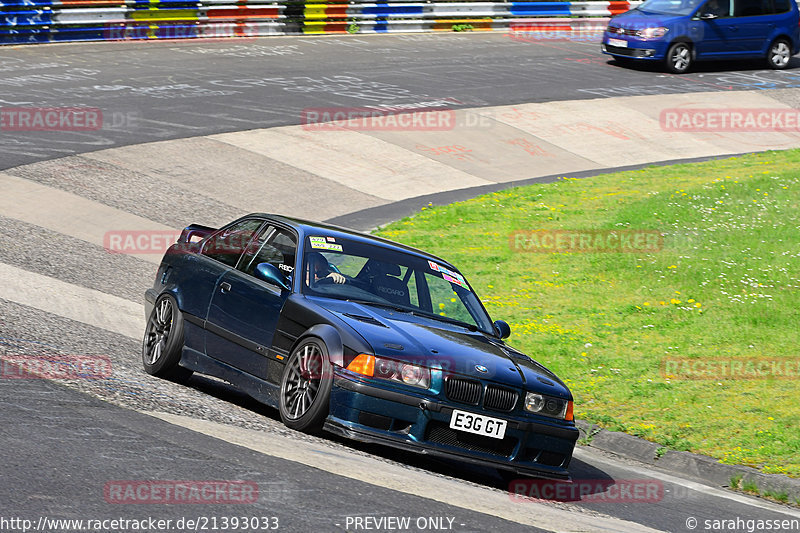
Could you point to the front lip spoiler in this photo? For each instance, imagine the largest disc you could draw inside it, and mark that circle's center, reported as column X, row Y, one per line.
column 422, row 449
column 567, row 433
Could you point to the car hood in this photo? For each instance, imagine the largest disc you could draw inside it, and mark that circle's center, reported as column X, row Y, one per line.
column 636, row 20
column 420, row 340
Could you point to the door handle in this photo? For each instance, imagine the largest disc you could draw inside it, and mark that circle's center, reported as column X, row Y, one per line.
column 224, row 287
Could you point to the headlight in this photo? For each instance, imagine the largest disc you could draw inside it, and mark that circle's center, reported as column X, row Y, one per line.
column 548, row 406
column 389, row 369
column 652, row 33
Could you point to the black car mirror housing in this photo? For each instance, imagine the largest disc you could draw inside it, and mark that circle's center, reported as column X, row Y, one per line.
column 502, row 328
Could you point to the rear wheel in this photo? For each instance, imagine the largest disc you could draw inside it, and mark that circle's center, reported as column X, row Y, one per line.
column 163, row 341
column 679, row 58
column 779, row 54
column 306, row 387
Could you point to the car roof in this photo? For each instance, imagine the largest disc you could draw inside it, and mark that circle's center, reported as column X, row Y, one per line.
column 307, row 227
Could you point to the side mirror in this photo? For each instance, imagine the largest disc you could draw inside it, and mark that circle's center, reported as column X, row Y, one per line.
column 708, row 16
column 502, row 328
column 271, row 274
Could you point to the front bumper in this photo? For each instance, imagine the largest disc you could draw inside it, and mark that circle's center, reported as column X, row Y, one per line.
column 634, row 48
column 366, row 412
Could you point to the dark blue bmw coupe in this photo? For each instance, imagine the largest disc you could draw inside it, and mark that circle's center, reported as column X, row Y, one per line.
column 356, row 335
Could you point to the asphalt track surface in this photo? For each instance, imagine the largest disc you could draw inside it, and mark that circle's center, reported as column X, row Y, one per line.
column 61, row 446
column 166, row 90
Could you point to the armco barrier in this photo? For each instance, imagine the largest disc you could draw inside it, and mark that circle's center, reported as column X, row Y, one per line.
column 34, row 21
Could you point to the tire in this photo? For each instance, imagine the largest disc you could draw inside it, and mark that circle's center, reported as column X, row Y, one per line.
column 779, row 54
column 679, row 58
column 306, row 387
column 163, row 341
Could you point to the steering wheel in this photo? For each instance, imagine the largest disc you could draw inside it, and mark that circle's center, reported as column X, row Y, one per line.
column 322, row 282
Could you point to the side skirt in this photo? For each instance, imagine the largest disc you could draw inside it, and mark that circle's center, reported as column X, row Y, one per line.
column 263, row 391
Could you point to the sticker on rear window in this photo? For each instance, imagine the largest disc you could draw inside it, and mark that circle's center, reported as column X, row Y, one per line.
column 320, row 243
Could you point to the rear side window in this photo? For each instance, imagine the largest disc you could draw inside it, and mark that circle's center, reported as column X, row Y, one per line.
column 752, row 8
column 227, row 245
column 781, row 6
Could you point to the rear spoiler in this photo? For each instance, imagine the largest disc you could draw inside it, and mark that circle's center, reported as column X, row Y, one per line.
column 194, row 233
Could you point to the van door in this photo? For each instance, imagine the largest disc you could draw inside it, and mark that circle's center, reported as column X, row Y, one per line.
column 754, row 22
column 718, row 29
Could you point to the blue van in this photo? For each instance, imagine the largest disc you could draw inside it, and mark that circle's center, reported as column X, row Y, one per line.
column 680, row 32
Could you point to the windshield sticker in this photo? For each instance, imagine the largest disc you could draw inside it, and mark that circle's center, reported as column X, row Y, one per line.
column 319, row 243
column 453, row 280
column 448, row 275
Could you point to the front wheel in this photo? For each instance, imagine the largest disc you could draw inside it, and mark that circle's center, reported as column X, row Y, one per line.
column 306, row 387
column 679, row 58
column 779, row 54
column 163, row 341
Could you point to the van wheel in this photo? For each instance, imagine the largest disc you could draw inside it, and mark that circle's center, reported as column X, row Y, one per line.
column 679, row 58
column 779, row 54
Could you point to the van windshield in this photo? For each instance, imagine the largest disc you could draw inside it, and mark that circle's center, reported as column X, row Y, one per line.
column 670, row 7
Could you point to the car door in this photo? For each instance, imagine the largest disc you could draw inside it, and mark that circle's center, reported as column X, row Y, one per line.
column 244, row 310
column 199, row 274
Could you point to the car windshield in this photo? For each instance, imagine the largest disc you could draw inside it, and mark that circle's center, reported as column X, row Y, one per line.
column 350, row 270
column 671, row 7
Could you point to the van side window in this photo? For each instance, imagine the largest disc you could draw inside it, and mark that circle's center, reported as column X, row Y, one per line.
column 720, row 8
column 751, row 8
column 781, row 6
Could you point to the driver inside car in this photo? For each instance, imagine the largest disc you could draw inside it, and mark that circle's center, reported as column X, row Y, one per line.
column 319, row 269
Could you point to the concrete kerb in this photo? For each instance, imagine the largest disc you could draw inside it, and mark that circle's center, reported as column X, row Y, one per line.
column 700, row 467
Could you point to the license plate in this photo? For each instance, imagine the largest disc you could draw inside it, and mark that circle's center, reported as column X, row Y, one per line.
column 478, row 424
column 621, row 43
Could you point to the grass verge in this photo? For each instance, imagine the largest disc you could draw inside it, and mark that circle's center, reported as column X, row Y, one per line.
column 724, row 286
